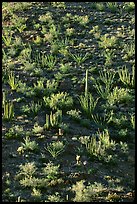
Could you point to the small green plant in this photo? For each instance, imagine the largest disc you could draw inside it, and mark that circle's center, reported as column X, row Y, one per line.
column 39, row 87
column 99, row 145
column 87, row 193
column 113, row 197
column 65, row 68
column 56, row 118
column 37, row 129
column 19, row 23
column 33, row 108
column 48, row 61
column 58, row 5
column 13, row 84
column 21, row 28
column 7, row 37
column 94, row 30
column 124, row 147
column 123, row 133
column 12, row 51
column 132, row 119
column 59, row 45
column 83, row 20
column 63, row 43
column 33, row 182
column 74, row 114
column 51, row 171
column 113, row 6
column 4, row 96
column 100, row 6
column 127, row 78
column 107, row 78
column 8, row 113
column 55, row 148
column 25, row 54
column 27, row 145
column 61, row 100
column 47, row 124
column 44, row 29
column 26, row 176
column 103, row 120
column 70, row 31
column 46, row 18
column 87, row 102
column 55, row 197
column 4, row 55
column 53, row 120
column 22, row 87
column 120, row 120
column 86, row 84
column 63, row 128
column 14, row 132
column 54, row 30
column 78, row 58
column 118, row 95
column 37, row 26
column 48, row 37
column 108, row 54
column 36, row 193
column 54, row 48
column 129, row 6
column 51, row 86
column 107, row 42
column 27, row 170
column 129, row 50
column 37, row 40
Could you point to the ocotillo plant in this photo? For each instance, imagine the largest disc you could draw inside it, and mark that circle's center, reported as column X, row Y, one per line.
column 87, row 102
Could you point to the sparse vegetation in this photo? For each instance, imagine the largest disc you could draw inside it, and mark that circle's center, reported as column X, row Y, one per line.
column 68, row 101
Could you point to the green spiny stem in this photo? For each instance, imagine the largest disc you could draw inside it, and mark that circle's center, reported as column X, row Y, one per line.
column 8, row 110
column 86, row 84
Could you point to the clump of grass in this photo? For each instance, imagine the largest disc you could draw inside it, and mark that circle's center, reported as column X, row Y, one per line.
column 107, row 78
column 103, row 120
column 27, row 145
column 7, row 37
column 87, row 193
column 127, row 78
column 61, row 101
column 54, row 198
column 51, row 171
column 78, row 58
column 55, row 148
column 113, row 6
column 8, row 108
column 13, row 84
column 53, row 120
column 107, row 42
column 118, row 95
column 33, row 108
column 99, row 145
column 48, row 61
column 37, row 128
column 87, row 102
column 14, row 132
